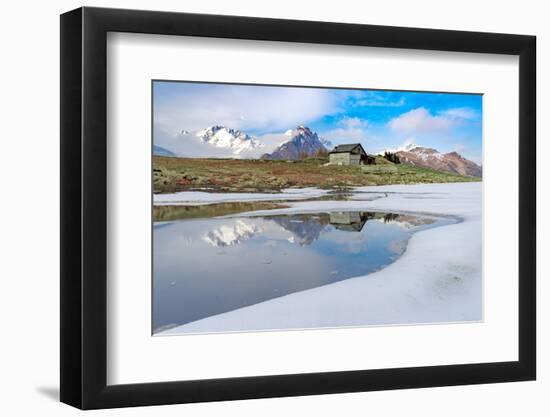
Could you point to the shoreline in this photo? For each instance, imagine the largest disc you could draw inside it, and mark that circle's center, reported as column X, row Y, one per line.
column 436, row 280
column 204, row 197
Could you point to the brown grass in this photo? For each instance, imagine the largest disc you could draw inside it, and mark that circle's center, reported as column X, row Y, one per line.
column 231, row 175
column 170, row 213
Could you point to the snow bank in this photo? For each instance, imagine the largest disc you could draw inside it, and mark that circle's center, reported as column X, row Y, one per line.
column 201, row 197
column 438, row 278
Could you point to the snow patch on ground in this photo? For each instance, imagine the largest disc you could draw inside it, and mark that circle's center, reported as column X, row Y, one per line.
column 201, row 197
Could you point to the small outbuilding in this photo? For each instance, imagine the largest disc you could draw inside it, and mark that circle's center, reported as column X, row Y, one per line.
column 352, row 154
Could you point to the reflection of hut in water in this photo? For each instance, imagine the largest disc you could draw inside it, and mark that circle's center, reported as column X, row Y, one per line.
column 349, row 221
column 390, row 217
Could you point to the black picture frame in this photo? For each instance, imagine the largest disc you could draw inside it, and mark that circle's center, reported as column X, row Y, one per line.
column 84, row 207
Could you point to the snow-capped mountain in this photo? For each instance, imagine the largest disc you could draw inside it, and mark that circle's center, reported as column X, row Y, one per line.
column 452, row 162
column 299, row 230
column 224, row 137
column 220, row 141
column 406, row 148
column 302, row 141
column 304, row 230
column 160, row 151
column 230, row 235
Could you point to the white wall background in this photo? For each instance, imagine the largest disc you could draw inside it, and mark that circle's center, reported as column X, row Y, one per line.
column 30, row 238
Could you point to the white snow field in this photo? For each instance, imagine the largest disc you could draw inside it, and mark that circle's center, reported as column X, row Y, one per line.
column 203, row 197
column 438, row 279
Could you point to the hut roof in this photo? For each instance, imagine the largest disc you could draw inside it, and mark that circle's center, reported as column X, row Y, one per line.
column 348, row 148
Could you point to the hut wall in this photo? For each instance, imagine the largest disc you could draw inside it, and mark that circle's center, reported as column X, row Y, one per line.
column 354, row 159
column 339, row 158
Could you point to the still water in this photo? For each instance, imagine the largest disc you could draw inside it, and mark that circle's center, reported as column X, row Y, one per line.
column 204, row 267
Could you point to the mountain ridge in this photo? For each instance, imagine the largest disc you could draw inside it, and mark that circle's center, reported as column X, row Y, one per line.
column 160, row 151
column 451, row 162
column 225, row 137
column 303, row 142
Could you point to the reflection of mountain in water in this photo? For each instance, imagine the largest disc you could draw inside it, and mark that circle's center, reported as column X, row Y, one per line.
column 205, row 267
column 229, row 235
column 305, row 228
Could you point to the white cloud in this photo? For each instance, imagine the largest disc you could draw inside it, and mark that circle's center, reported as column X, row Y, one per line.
column 459, row 147
column 191, row 146
column 420, row 120
column 341, row 135
column 461, row 113
column 353, row 129
column 241, row 107
column 409, row 143
column 354, row 122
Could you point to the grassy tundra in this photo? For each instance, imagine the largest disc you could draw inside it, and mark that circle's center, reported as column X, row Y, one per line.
column 256, row 175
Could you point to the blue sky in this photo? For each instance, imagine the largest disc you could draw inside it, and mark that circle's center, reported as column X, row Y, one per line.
column 377, row 119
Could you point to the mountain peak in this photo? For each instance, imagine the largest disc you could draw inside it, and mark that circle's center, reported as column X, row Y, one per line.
column 300, row 131
column 302, row 141
column 304, row 129
column 212, row 131
column 451, row 162
column 454, row 154
column 224, row 137
column 409, row 147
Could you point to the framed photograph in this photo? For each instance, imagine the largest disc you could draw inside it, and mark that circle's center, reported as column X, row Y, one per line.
column 258, row 208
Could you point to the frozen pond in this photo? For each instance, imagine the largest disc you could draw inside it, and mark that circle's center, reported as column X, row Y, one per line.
column 206, row 267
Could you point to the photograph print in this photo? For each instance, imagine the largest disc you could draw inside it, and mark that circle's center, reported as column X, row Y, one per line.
column 292, row 208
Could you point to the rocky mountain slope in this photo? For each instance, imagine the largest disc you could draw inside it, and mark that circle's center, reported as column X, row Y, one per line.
column 451, row 162
column 302, row 142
